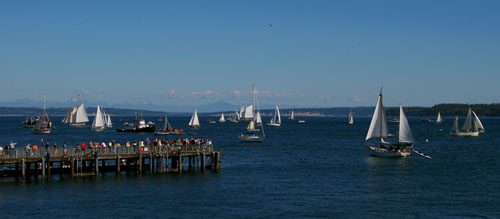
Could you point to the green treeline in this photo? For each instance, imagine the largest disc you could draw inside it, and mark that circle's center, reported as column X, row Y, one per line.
column 449, row 109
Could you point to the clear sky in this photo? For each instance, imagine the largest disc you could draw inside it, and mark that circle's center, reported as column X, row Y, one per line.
column 316, row 53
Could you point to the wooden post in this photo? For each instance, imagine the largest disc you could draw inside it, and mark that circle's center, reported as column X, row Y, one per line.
column 96, row 165
column 140, row 162
column 72, row 160
column 203, row 161
column 48, row 164
column 151, row 163
column 23, row 168
column 166, row 162
column 197, row 160
column 118, row 162
column 180, row 165
column 43, row 168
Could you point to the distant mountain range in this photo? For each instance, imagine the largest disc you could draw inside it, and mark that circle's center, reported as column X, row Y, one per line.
column 212, row 107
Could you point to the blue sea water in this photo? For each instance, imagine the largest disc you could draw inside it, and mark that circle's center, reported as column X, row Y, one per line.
column 315, row 169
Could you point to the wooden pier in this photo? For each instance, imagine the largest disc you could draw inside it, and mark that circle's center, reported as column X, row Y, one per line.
column 84, row 162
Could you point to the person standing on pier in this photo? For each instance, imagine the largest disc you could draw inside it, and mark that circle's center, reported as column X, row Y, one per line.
column 28, row 150
column 55, row 148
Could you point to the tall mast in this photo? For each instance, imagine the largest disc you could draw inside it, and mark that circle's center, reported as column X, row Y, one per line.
column 381, row 113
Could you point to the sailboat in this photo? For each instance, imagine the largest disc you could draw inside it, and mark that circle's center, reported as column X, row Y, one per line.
column 292, row 116
column 194, row 123
column 167, row 129
column 45, row 125
column 222, row 119
column 276, row 120
column 109, row 124
column 378, row 129
column 351, row 118
column 439, row 120
column 98, row 123
column 76, row 116
column 471, row 128
column 252, row 132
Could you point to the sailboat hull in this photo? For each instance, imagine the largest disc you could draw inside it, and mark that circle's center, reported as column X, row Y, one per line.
column 98, row 129
column 465, row 134
column 78, row 124
column 194, row 126
column 251, row 138
column 40, row 131
column 385, row 152
column 273, row 124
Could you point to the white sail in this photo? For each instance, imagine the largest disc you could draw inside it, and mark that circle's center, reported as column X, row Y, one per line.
column 404, row 128
column 72, row 117
column 108, row 121
column 258, row 119
column 98, row 122
column 378, row 125
column 81, row 115
column 241, row 113
column 222, row 119
column 237, row 116
column 251, row 126
column 103, row 113
column 292, row 116
column 478, row 122
column 351, row 118
column 194, row 122
column 278, row 115
column 455, row 124
column 468, row 121
column 248, row 112
column 439, row 119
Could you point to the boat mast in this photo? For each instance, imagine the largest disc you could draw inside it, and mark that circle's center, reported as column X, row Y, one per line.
column 256, row 101
column 381, row 113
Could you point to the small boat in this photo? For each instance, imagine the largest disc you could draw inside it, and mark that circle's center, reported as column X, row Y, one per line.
column 194, row 123
column 211, row 121
column 44, row 126
column 98, row 123
column 192, row 133
column 167, row 129
column 292, row 116
column 139, row 125
column 351, row 118
column 471, row 128
column 439, row 119
column 427, row 120
column 222, row 119
column 302, row 121
column 276, row 120
column 30, row 122
column 379, row 130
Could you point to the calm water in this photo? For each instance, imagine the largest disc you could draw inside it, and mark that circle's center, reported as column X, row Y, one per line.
column 315, row 169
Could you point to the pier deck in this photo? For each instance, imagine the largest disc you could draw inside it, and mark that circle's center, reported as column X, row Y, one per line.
column 83, row 162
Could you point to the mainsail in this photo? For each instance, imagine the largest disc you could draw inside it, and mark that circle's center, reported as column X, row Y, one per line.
column 292, row 116
column 404, row 128
column 351, row 118
column 258, row 119
column 222, row 119
column 468, row 121
column 108, row 121
column 251, row 126
column 277, row 115
column 455, row 124
column 439, row 119
column 98, row 122
column 81, row 115
column 248, row 112
column 378, row 125
column 477, row 122
column 194, row 122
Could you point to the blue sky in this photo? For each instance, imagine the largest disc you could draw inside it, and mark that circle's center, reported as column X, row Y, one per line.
column 316, row 54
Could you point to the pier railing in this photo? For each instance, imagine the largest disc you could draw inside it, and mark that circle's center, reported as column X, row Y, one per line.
column 20, row 153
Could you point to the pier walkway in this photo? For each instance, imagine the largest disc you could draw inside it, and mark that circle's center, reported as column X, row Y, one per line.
column 82, row 162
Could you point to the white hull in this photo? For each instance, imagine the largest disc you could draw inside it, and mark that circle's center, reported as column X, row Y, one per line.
column 384, row 152
column 302, row 121
column 273, row 124
column 465, row 134
column 250, row 138
column 78, row 124
column 98, row 129
column 194, row 126
column 43, row 131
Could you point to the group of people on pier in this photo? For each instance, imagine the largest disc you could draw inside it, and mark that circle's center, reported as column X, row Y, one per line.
column 110, row 147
